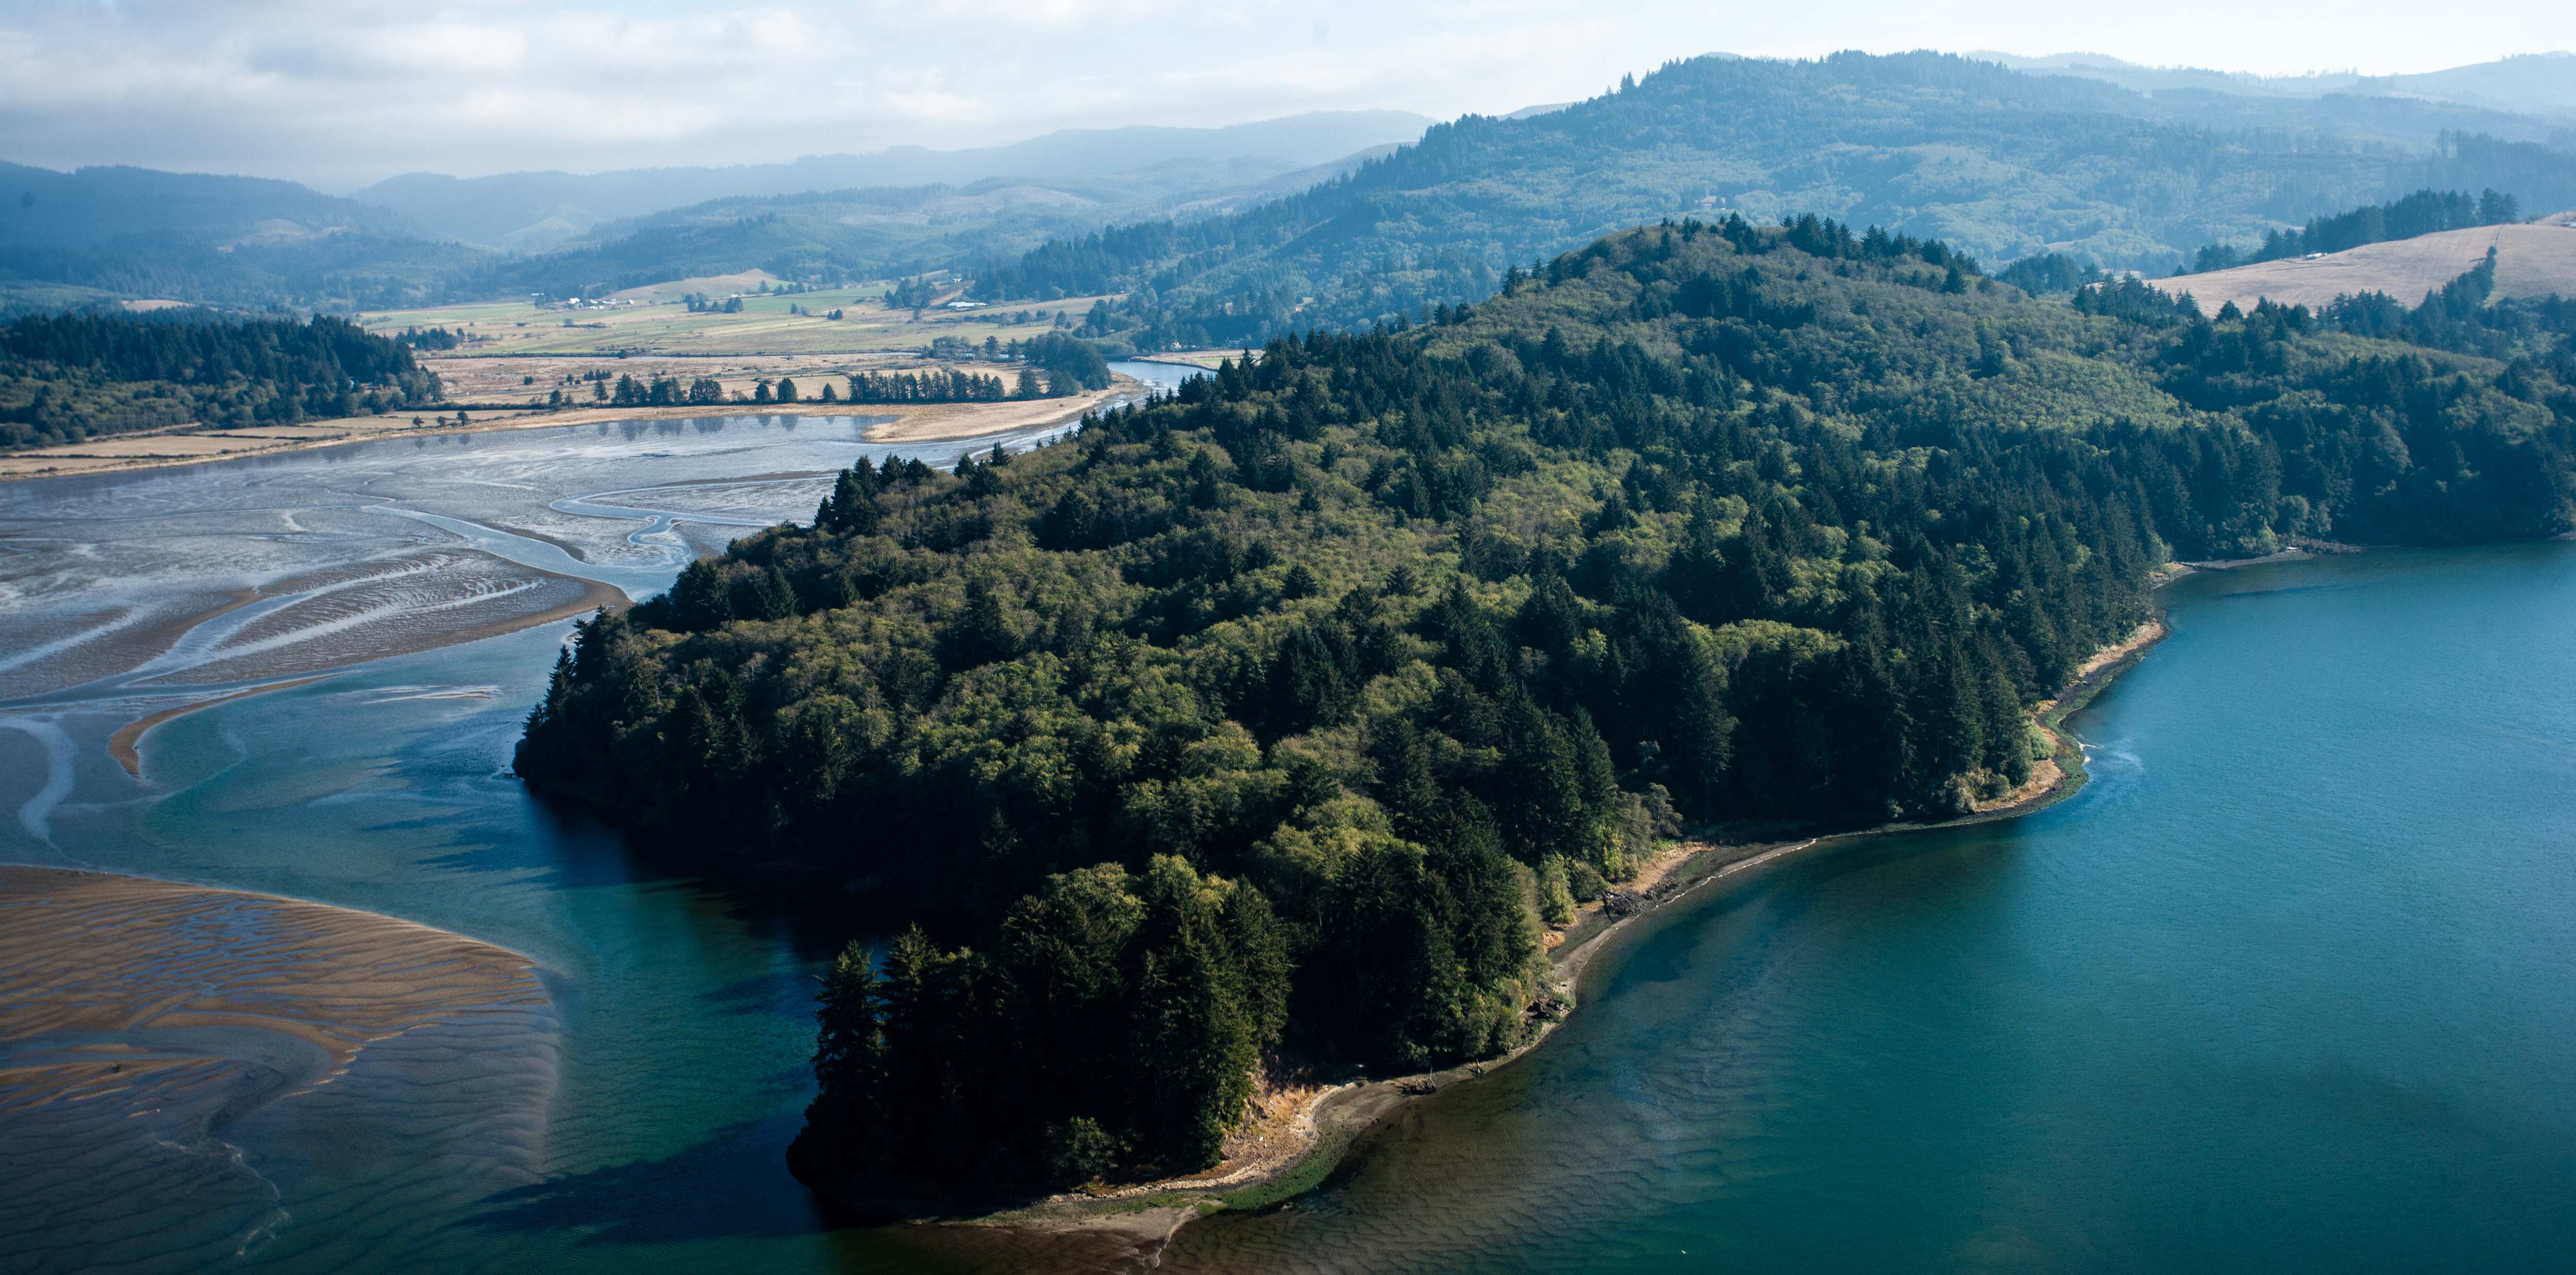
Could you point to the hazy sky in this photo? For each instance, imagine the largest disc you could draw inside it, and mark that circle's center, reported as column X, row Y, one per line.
column 345, row 92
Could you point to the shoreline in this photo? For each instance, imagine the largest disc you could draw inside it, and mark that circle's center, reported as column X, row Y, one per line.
column 906, row 423
column 1342, row 1116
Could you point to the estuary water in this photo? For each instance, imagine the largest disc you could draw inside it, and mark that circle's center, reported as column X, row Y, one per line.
column 331, row 652
column 2291, row 984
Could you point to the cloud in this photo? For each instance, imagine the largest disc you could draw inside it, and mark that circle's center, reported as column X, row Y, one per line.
column 340, row 94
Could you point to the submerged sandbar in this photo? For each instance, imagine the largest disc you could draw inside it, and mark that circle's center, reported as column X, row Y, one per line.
column 182, row 1068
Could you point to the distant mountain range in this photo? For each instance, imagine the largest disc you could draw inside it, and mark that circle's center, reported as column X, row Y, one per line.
column 102, row 233
column 43, row 210
column 534, row 211
column 2531, row 84
column 1342, row 218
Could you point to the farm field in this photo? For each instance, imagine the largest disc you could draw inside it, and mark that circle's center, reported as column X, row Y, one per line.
column 654, row 320
column 2531, row 261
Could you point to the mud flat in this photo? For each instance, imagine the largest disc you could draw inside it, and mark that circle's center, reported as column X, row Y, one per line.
column 190, row 445
column 181, row 1069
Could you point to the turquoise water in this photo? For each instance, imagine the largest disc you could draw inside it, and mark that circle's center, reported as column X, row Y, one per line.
column 2291, row 985
column 2287, row 986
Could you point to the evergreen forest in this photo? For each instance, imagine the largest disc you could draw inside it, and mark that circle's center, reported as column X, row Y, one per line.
column 1264, row 726
column 64, row 378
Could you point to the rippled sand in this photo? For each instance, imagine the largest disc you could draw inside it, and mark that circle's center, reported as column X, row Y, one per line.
column 187, row 1074
column 389, row 606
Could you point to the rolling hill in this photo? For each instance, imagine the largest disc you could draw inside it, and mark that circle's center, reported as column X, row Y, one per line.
column 533, row 211
column 1997, row 162
column 2532, row 83
column 101, row 234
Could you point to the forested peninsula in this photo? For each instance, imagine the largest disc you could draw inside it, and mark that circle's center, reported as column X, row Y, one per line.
column 1265, row 724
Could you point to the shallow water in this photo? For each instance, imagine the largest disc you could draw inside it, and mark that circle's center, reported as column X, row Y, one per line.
column 679, row 1070
column 2290, row 985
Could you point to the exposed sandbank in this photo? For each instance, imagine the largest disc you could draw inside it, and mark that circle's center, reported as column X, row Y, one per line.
column 188, row 445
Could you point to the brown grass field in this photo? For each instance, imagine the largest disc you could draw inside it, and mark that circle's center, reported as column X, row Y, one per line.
column 2531, row 260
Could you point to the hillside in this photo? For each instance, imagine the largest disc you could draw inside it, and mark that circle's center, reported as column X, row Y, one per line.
column 1274, row 719
column 1998, row 163
column 531, row 212
column 831, row 235
column 41, row 209
column 2533, row 260
column 133, row 232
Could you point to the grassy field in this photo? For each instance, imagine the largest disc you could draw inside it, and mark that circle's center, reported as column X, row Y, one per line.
column 659, row 323
column 2531, row 260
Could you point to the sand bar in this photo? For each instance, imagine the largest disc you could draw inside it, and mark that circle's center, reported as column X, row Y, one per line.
column 180, row 1066
column 911, row 423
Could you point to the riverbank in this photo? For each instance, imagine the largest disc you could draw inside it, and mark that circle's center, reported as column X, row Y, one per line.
column 184, row 445
column 1337, row 1119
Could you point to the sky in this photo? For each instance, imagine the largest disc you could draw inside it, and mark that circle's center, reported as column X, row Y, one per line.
column 343, row 93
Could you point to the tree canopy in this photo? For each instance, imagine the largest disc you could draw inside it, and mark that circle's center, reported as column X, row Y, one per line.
column 1272, row 715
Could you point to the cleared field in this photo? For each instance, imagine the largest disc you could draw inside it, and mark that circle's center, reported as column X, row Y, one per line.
column 2531, row 261
column 659, row 323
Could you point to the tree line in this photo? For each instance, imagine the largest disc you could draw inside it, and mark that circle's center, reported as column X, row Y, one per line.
column 1272, row 719
column 940, row 386
column 2424, row 212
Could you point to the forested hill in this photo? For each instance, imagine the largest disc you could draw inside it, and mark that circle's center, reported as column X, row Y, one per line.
column 1998, row 163
column 133, row 232
column 1272, row 718
column 64, row 378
